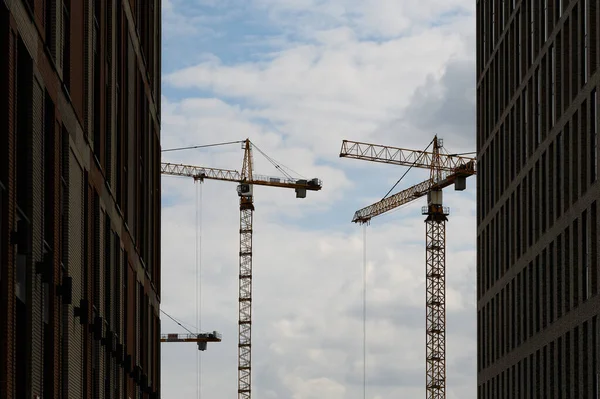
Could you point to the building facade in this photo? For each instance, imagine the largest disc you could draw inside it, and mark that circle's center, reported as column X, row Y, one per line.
column 538, row 195
column 79, row 198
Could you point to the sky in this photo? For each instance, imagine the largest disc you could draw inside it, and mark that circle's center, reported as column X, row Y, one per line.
column 297, row 77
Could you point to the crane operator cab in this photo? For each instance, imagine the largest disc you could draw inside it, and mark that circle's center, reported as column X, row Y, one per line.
column 244, row 190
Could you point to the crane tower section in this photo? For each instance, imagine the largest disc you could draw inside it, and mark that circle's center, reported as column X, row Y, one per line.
column 245, row 278
column 435, row 301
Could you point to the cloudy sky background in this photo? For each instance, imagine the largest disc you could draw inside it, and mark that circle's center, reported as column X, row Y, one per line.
column 297, row 77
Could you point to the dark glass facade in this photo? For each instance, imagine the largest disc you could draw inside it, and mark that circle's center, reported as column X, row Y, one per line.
column 537, row 199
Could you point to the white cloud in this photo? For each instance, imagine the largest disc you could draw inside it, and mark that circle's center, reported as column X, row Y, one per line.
column 380, row 18
column 315, row 95
column 297, row 104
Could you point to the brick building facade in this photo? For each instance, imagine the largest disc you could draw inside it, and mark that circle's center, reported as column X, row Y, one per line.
column 538, row 194
column 79, row 198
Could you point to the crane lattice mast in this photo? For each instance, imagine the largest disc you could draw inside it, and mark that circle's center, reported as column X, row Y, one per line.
column 245, row 287
column 246, row 179
column 444, row 171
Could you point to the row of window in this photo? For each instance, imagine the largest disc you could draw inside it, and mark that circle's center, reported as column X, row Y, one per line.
column 525, row 128
column 559, row 279
column 111, row 287
column 562, row 174
column 565, row 368
column 565, row 66
column 533, row 22
column 128, row 152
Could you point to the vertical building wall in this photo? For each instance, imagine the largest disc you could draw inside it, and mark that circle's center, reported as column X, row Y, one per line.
column 538, row 193
column 79, row 198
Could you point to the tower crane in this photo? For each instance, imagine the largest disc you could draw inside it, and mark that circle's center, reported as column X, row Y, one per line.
column 445, row 170
column 246, row 179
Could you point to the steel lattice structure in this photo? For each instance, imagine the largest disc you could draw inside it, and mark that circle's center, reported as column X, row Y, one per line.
column 436, row 300
column 245, row 299
column 402, row 156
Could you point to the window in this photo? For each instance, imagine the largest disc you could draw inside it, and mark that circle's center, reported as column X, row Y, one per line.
column 96, row 73
column 552, row 281
column 594, row 354
column 552, row 85
column 48, row 173
column 47, row 342
column 594, row 249
column 21, row 262
column 64, row 195
column 567, row 269
column 530, row 300
column 551, row 362
column 24, row 100
column 139, row 291
column 545, row 20
column 559, row 277
column 50, row 25
column 559, row 352
column 538, row 108
column 116, row 286
column 565, row 172
column 550, row 183
column 519, row 226
column 126, row 297
column 584, row 42
column 583, row 156
column 108, row 294
column 484, row 36
column 576, row 365
column 493, row 5
column 108, row 111
column 559, row 172
column 538, row 294
column 594, row 137
column 66, row 43
column 21, row 347
column 575, row 157
column 2, row 227
column 530, row 202
column 586, row 354
column 525, row 127
column 543, row 298
column 519, row 46
column 531, row 31
column 585, row 256
column 97, row 231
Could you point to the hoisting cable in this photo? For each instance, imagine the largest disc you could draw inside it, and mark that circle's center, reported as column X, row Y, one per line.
column 277, row 165
column 199, row 284
column 201, row 146
column 407, row 170
column 364, row 310
column 177, row 321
